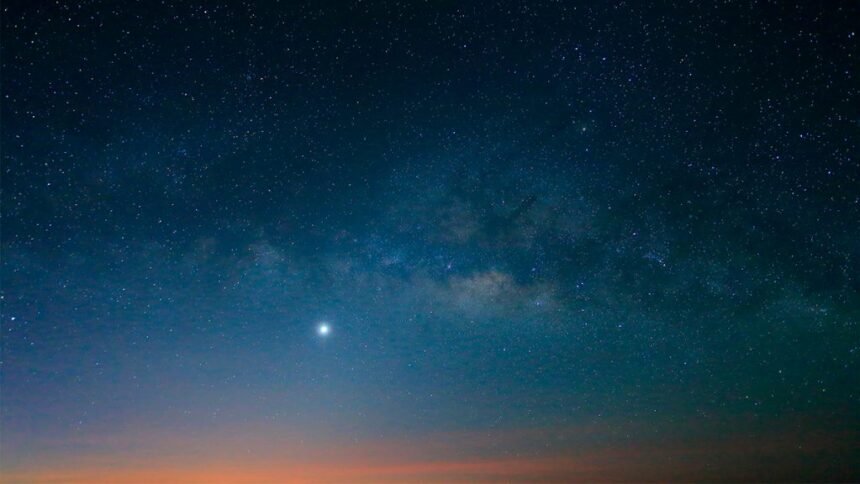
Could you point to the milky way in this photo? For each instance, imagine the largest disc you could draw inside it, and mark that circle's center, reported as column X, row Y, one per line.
column 435, row 242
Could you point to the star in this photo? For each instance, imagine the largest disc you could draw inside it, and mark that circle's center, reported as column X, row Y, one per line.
column 323, row 329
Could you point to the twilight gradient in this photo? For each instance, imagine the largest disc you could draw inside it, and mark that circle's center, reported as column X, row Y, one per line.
column 429, row 241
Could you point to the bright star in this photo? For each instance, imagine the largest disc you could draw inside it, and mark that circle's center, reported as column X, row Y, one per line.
column 323, row 329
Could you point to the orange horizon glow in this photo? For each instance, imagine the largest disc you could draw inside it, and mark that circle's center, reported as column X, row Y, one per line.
column 426, row 461
column 448, row 471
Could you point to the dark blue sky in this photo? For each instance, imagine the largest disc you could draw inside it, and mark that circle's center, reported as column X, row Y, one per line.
column 553, row 241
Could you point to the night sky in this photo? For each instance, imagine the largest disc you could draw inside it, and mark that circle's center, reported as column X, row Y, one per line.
column 430, row 241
